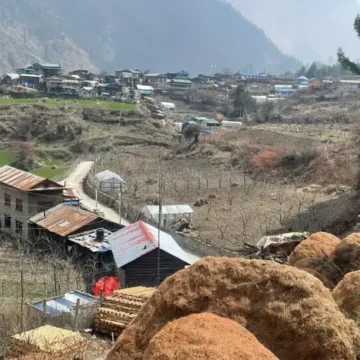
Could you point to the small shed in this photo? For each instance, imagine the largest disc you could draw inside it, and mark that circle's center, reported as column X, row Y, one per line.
column 138, row 253
column 62, row 310
column 169, row 213
column 109, row 181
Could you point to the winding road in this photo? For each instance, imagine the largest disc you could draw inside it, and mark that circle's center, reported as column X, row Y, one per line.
column 76, row 179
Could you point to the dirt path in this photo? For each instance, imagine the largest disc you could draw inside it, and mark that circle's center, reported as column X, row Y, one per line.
column 76, row 179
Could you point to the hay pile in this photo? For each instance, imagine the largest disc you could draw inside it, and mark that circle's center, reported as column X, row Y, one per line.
column 289, row 311
column 322, row 268
column 317, row 245
column 347, row 295
column 205, row 337
column 347, row 254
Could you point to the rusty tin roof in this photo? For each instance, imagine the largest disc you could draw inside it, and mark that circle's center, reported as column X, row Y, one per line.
column 19, row 179
column 63, row 219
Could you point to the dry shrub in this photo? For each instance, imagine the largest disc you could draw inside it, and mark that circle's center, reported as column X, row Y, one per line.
column 289, row 311
column 267, row 159
column 36, row 357
column 322, row 268
column 205, row 337
column 317, row 245
column 347, row 295
column 347, row 254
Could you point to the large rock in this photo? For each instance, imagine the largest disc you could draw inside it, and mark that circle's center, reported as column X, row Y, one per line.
column 288, row 310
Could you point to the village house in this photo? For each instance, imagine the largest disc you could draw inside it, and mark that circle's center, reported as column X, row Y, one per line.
column 22, row 195
column 82, row 74
column 145, row 90
column 155, row 79
column 88, row 92
column 54, row 84
column 136, row 251
column 129, row 77
column 10, row 79
column 69, row 225
column 178, row 75
column 30, row 80
column 180, row 84
column 47, row 70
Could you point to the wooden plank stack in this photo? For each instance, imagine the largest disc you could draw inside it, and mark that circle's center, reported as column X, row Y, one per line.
column 59, row 343
column 119, row 309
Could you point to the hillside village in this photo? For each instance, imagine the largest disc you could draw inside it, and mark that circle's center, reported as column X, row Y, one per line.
column 163, row 194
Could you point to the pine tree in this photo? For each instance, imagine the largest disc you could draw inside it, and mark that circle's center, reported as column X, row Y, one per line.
column 343, row 59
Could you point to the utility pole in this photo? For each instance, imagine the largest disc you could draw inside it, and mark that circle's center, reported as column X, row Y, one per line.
column 120, row 202
column 160, row 222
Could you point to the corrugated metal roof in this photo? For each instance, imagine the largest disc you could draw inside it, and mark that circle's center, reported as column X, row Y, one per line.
column 138, row 239
column 47, row 65
column 63, row 219
column 169, row 209
column 64, row 303
column 181, row 81
column 19, row 179
column 88, row 240
column 107, row 174
column 71, row 194
column 145, row 87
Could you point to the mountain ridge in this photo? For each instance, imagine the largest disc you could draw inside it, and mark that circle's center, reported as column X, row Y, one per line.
column 194, row 35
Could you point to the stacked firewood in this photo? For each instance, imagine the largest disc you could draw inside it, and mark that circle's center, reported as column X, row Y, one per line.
column 118, row 310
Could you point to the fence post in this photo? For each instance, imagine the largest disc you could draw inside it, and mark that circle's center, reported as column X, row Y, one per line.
column 55, row 281
column 76, row 314
column 22, row 301
column 220, row 183
column 199, row 183
column 207, row 183
column 44, row 307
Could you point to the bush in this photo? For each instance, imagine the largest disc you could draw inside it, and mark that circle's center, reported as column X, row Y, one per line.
column 294, row 160
column 267, row 159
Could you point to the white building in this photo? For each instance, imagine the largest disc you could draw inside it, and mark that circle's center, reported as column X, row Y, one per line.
column 88, row 92
column 109, row 181
column 170, row 213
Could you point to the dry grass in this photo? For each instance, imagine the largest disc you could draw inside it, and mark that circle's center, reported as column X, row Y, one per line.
column 205, row 337
column 347, row 254
column 322, row 268
column 347, row 295
column 317, row 245
column 288, row 310
column 239, row 208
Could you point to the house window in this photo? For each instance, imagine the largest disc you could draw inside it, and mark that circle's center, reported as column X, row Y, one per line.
column 19, row 205
column 19, row 227
column 7, row 200
column 7, row 221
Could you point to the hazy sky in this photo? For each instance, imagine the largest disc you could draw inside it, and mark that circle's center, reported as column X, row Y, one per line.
column 308, row 29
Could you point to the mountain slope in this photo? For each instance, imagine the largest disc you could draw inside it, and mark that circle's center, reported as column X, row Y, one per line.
column 113, row 34
column 310, row 30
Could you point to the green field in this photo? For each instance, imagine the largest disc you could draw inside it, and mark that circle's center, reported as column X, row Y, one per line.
column 5, row 157
column 47, row 170
column 104, row 104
